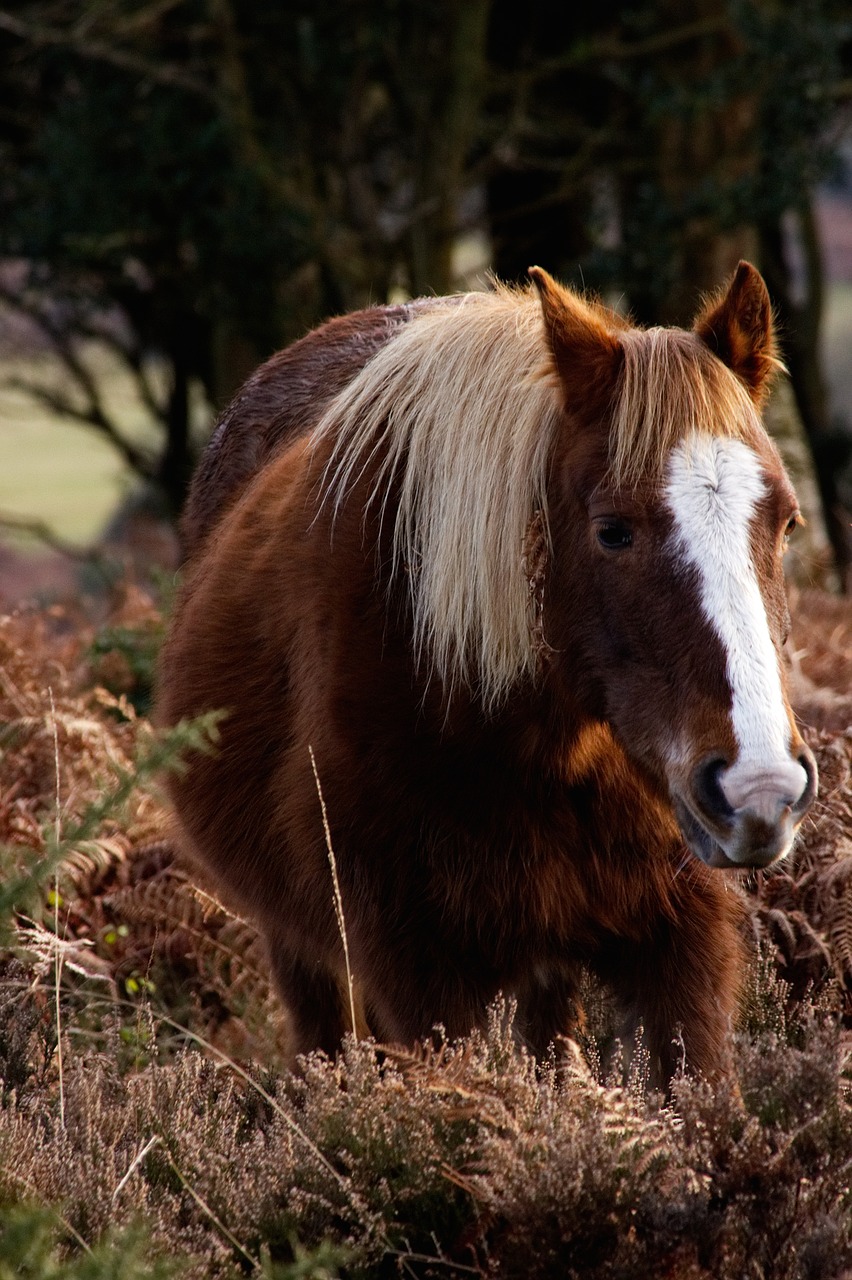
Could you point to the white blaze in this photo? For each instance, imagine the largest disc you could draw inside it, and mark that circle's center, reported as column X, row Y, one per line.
column 713, row 488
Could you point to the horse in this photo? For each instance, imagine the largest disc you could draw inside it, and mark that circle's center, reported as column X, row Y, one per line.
column 503, row 574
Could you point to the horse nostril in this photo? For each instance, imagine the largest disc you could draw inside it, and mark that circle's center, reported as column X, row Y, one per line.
column 808, row 763
column 707, row 789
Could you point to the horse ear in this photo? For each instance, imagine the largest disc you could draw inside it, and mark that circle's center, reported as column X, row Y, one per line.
column 737, row 326
column 585, row 350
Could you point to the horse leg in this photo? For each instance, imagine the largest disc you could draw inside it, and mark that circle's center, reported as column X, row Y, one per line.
column 414, row 990
column 313, row 998
column 682, row 984
column 548, row 1008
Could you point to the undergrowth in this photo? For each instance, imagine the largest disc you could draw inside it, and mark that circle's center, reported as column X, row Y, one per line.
column 139, row 1137
column 465, row 1159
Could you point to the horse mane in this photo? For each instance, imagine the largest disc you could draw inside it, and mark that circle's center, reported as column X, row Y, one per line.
column 459, row 413
column 671, row 385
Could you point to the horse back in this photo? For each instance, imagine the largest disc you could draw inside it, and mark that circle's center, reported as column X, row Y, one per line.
column 282, row 401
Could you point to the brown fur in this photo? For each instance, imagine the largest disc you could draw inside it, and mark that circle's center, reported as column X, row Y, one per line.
column 482, row 843
column 279, row 403
column 737, row 326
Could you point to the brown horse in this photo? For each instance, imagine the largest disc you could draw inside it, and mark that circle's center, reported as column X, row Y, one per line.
column 513, row 569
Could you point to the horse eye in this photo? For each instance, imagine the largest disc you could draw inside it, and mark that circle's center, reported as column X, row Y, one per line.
column 615, row 535
column 790, row 527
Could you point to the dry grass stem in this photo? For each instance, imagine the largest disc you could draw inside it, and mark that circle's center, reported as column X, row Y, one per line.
column 338, row 900
column 135, row 1163
column 217, row 1222
column 58, row 953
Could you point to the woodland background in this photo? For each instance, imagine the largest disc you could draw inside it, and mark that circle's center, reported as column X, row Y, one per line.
column 187, row 185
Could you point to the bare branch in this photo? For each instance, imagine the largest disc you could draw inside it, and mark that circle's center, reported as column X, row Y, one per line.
column 93, row 413
column 609, row 49
column 98, row 51
column 43, row 533
column 235, row 103
column 132, row 23
column 62, row 407
column 129, row 354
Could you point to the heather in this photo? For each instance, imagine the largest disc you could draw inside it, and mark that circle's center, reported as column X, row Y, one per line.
column 147, row 1127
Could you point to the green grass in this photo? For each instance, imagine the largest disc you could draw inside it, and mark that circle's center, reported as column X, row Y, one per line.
column 56, row 471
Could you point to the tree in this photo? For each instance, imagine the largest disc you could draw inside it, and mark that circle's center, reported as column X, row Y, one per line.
column 197, row 182
column 701, row 135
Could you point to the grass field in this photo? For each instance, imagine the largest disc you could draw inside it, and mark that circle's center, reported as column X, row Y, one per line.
column 56, row 471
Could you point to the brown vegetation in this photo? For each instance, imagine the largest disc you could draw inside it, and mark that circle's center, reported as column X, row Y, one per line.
column 466, row 1160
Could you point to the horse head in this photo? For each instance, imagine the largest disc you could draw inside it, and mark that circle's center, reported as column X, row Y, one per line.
column 669, row 513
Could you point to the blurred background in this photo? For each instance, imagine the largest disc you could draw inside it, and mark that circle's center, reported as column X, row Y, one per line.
column 188, row 185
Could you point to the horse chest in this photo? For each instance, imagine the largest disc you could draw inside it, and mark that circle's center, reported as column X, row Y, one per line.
column 537, row 869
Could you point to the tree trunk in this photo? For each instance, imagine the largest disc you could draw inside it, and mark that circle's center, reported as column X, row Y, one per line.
column 176, row 462
column 800, row 324
column 446, row 122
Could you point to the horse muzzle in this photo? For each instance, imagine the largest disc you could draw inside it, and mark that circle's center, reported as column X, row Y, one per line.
column 745, row 814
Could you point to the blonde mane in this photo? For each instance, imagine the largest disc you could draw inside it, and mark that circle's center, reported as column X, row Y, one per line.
column 671, row 385
column 460, row 409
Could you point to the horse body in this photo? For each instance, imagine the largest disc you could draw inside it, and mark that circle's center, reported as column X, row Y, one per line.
column 524, row 678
